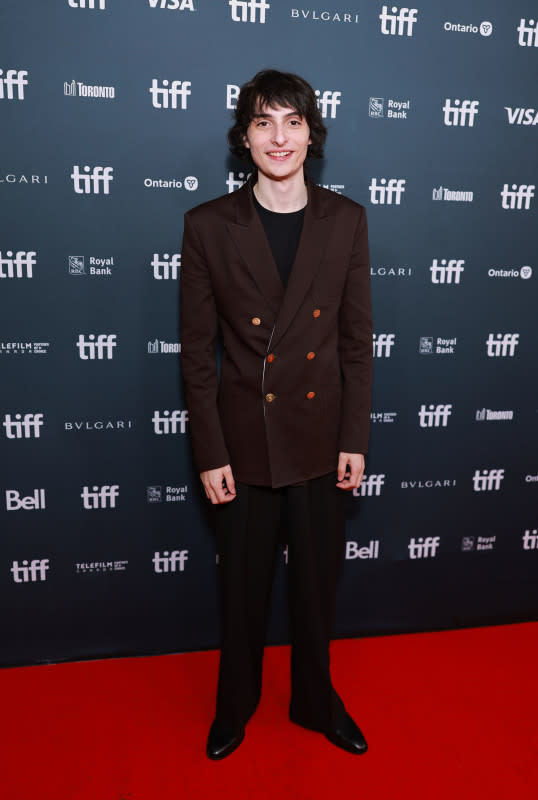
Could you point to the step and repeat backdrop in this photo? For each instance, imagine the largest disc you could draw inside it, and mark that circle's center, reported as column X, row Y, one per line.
column 114, row 116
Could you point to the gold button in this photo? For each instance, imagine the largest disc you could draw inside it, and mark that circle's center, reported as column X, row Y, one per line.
column 310, row 355
column 270, row 397
column 310, row 395
column 256, row 321
column 271, row 358
column 316, row 312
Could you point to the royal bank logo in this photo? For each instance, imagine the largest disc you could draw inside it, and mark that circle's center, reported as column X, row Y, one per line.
column 327, row 102
column 171, row 94
column 472, row 543
column 399, row 22
column 10, row 177
column 527, row 33
column 166, row 267
column 98, row 5
column 19, row 426
column 378, row 417
column 489, row 415
column 391, row 272
column 102, row 267
column 173, row 5
column 170, row 561
column 78, row 89
column 530, row 540
column 315, row 15
column 487, row 480
column 234, row 181
column 190, row 183
column 92, row 181
column 484, row 29
column 525, row 273
column 99, row 497
column 170, row 494
column 447, row 270
column 502, row 344
column 452, row 195
column 156, row 346
column 154, row 494
column 460, row 113
column 424, row 546
column 32, row 502
column 438, row 345
column 24, row 348
column 248, row 10
column 434, row 416
column 97, row 346
column 518, row 197
column 378, row 108
column 17, row 265
column 383, row 344
column 521, row 116
column 370, row 486
column 12, row 83
column 30, row 572
column 170, row 422
column 386, row 192
column 369, row 551
column 96, row 567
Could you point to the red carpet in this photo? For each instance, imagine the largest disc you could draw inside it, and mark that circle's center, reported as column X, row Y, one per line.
column 446, row 715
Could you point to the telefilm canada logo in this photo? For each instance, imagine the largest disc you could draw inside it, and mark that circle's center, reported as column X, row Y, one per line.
column 379, row 108
column 96, row 266
column 24, row 348
column 78, row 89
column 96, row 567
column 378, row 417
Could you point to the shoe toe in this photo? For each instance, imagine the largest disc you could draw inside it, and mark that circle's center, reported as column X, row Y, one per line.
column 223, row 741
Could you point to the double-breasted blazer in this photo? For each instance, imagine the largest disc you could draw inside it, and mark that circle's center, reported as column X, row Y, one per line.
column 295, row 377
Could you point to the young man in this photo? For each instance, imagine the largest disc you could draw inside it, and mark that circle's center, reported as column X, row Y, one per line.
column 282, row 267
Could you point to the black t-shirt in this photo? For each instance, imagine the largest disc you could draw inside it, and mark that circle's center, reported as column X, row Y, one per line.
column 283, row 231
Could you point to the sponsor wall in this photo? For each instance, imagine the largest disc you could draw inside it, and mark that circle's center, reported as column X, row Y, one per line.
column 114, row 120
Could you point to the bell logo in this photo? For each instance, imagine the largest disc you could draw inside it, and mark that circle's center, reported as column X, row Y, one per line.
column 382, row 343
column 504, row 344
column 371, row 550
column 167, row 268
column 170, row 562
column 462, row 113
column 91, row 181
column 20, row 427
column 398, row 24
column 15, row 79
column 328, row 101
column 384, row 192
column 99, row 497
column 167, row 97
column 32, row 572
column 31, row 503
column 487, row 480
column 423, row 547
column 96, row 348
column 446, row 270
column 246, row 10
column 18, row 265
column 528, row 33
column 435, row 416
column 517, row 197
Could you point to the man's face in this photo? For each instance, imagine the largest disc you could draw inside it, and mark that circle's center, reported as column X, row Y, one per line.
column 278, row 140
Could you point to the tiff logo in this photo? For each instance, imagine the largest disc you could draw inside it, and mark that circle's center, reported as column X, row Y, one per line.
column 504, row 344
column 423, row 547
column 99, row 497
column 166, row 269
column 435, row 416
column 167, row 97
column 328, row 101
column 26, row 427
column 488, row 480
column 14, row 502
column 234, row 183
column 404, row 20
column 383, row 343
column 528, row 33
column 447, row 270
column 35, row 571
column 99, row 4
column 18, row 265
column 385, row 191
column 14, row 79
column 100, row 349
column 370, row 486
column 248, row 9
column 170, row 562
column 166, row 423
column 90, row 182
column 462, row 113
column 530, row 540
column 515, row 197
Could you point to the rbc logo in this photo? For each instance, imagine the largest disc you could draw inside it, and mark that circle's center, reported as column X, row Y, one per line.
column 504, row 344
column 99, row 4
column 167, row 97
column 166, row 423
column 100, row 349
column 488, row 480
column 370, row 485
column 423, row 547
column 35, row 571
column 528, row 33
column 26, row 427
column 445, row 271
column 384, row 192
column 462, row 113
column 99, row 497
column 248, row 9
column 515, row 197
column 406, row 18
column 90, row 182
column 435, row 416
column 166, row 269
column 170, row 562
column 383, row 343
column 328, row 100
column 15, row 266
column 15, row 79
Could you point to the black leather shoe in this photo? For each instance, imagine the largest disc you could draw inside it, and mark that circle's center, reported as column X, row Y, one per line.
column 348, row 736
column 222, row 741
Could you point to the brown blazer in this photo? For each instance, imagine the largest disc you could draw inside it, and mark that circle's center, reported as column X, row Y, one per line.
column 296, row 372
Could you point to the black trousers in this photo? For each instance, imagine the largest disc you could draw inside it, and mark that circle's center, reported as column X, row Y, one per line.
column 248, row 531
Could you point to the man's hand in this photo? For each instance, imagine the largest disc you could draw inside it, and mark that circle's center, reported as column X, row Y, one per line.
column 351, row 480
column 219, row 484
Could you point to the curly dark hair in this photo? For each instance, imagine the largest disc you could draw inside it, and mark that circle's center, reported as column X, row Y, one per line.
column 271, row 88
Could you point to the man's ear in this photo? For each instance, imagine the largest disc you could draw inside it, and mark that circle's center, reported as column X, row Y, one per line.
column 245, row 141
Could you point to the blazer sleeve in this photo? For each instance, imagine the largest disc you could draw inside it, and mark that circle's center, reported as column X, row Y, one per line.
column 355, row 345
column 198, row 331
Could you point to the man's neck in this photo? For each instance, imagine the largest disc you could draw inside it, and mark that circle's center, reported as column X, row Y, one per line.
column 283, row 196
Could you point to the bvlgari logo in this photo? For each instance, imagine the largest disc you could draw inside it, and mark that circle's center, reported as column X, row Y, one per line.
column 98, row 425
column 323, row 15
